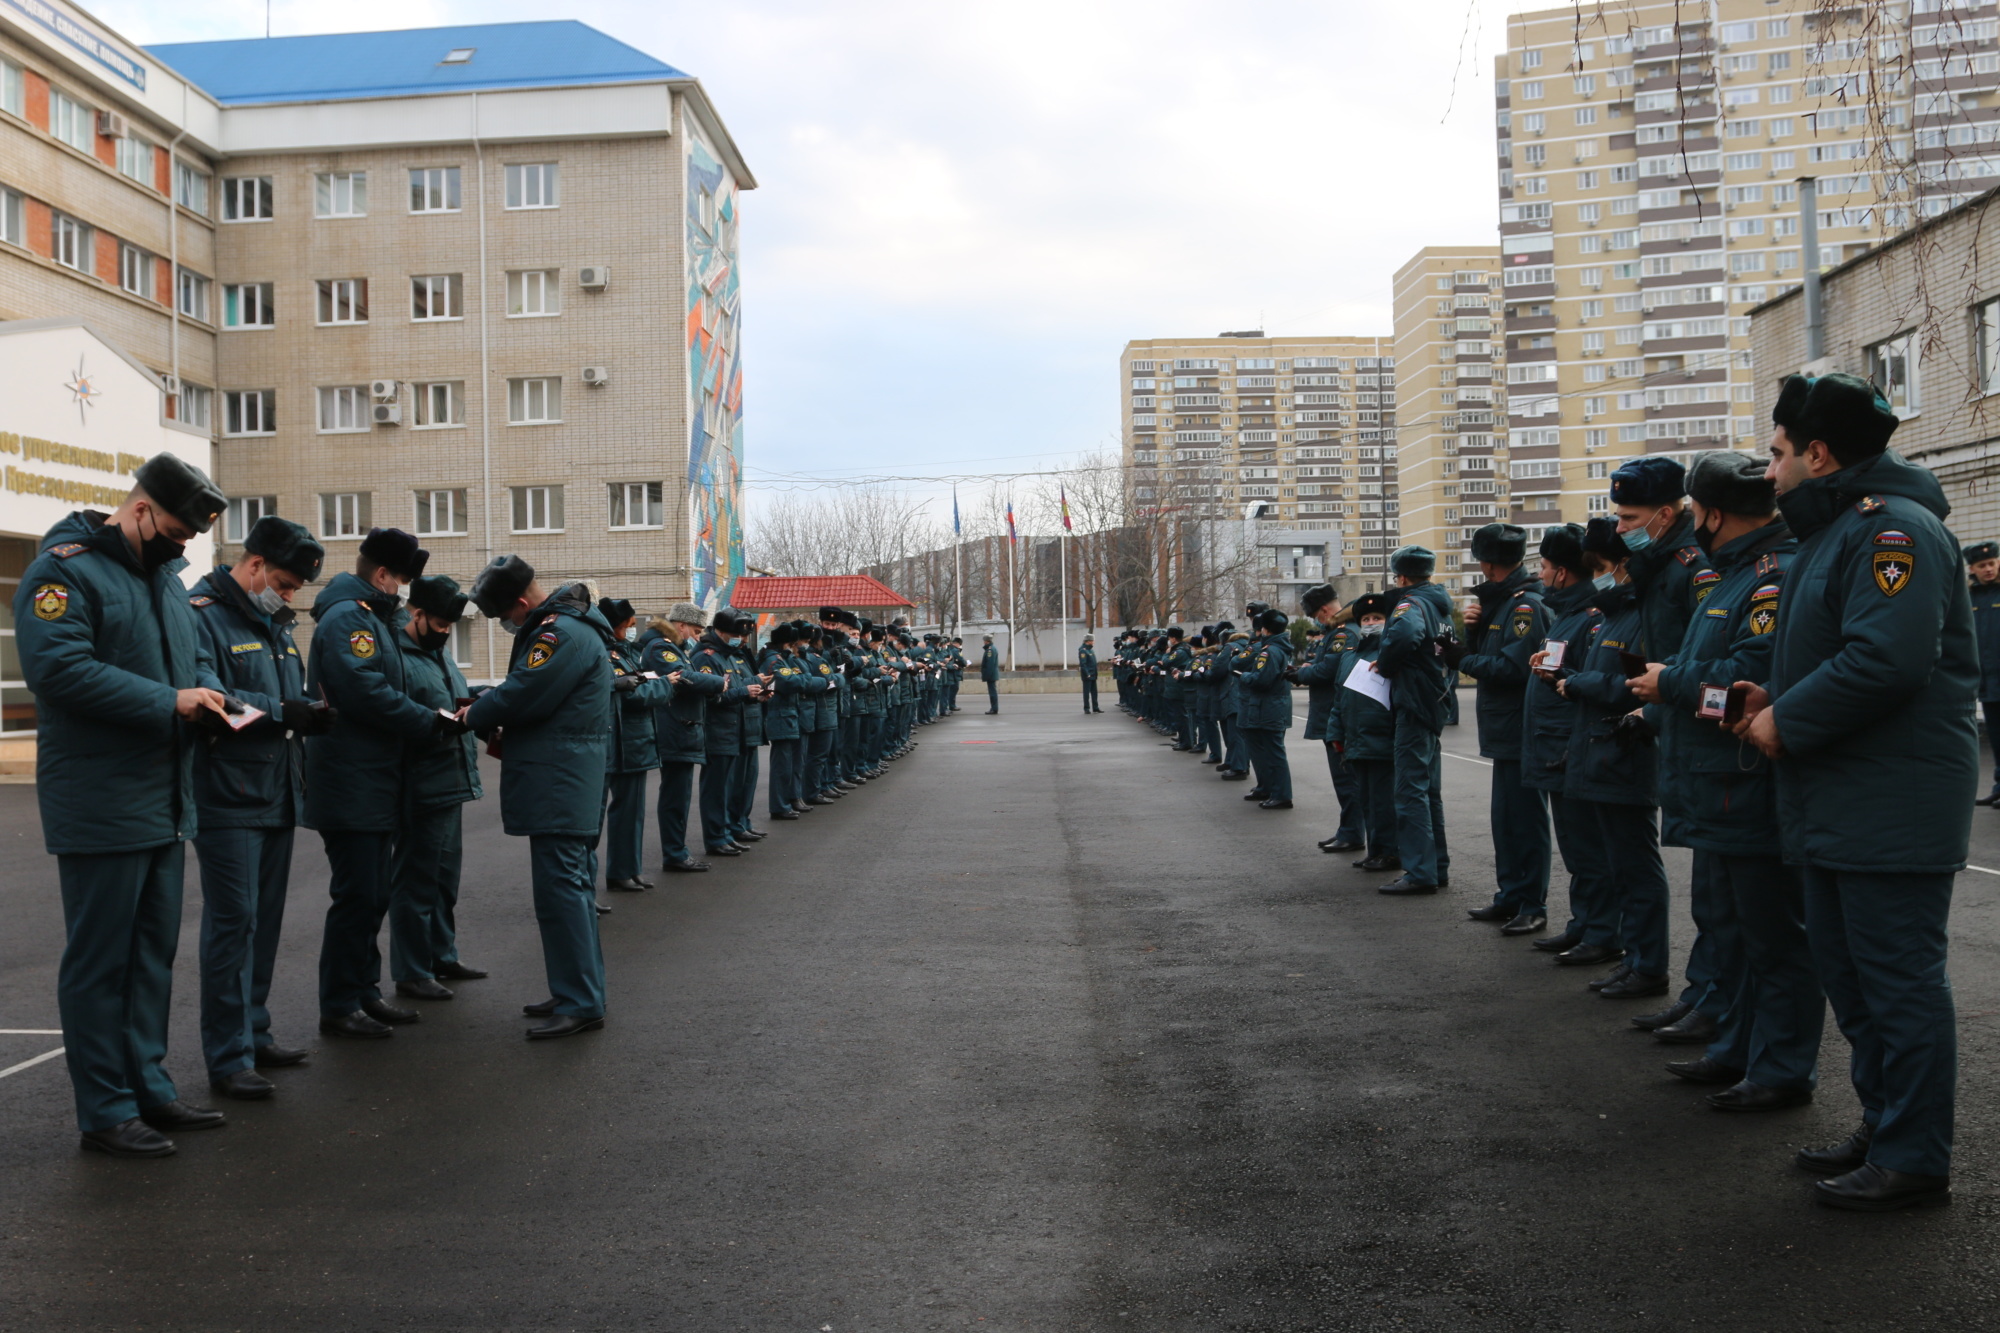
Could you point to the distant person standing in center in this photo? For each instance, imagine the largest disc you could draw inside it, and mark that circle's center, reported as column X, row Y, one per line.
column 1086, row 667
column 989, row 671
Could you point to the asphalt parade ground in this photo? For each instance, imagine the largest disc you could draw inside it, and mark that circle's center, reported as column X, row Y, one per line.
column 1047, row 1030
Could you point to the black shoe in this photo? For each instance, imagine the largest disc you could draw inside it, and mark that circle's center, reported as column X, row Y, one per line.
column 1618, row 973
column 1183, row 749
column 1491, row 912
column 1588, row 955
column 754, row 834
column 1634, row 986
column 1526, row 923
column 1695, row 1029
column 177, row 1114
column 540, row 1009
column 1562, row 943
column 245, row 1085
column 1704, row 1070
column 275, row 1056
column 1256, row 794
column 684, row 867
column 134, row 1138
column 632, row 885
column 1274, row 805
column 731, row 850
column 1876, row 1189
column 1666, row 1017
column 1404, row 886
column 1836, row 1159
column 1338, row 844
column 356, row 1024
column 817, row 799
column 1747, row 1096
column 384, row 1012
column 563, row 1025
column 460, row 972
column 603, row 908
column 1378, row 863
column 784, row 814
column 800, row 807
column 1990, row 798
column 427, row 989
column 1231, row 775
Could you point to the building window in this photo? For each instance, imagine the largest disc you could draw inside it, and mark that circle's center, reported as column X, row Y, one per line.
column 135, row 270
column 250, row 412
column 191, row 295
column 534, row 292
column 538, row 508
column 135, row 159
column 441, row 404
column 343, row 409
column 1892, row 364
column 71, row 243
column 1986, row 317
column 13, row 89
column 12, row 228
column 440, row 513
column 534, row 401
column 434, row 189
column 191, row 188
column 461, row 643
column 340, row 194
column 195, row 406
column 531, row 185
column 636, row 504
column 437, row 296
column 246, row 199
column 344, row 514
column 343, row 300
column 71, row 122
column 247, row 305
column 243, row 513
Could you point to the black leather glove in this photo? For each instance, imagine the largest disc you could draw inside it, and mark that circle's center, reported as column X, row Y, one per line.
column 625, row 684
column 448, row 727
column 297, row 715
column 1453, row 650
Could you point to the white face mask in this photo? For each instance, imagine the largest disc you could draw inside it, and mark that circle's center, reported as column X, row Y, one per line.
column 631, row 633
column 270, row 601
column 510, row 627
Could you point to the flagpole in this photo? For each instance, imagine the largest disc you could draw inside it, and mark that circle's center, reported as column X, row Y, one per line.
column 1010, row 594
column 957, row 570
column 1062, row 558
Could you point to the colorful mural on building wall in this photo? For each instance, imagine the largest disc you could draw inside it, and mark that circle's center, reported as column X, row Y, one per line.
column 715, row 377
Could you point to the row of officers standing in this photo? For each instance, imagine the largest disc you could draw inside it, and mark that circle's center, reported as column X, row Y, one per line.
column 170, row 714
column 1770, row 661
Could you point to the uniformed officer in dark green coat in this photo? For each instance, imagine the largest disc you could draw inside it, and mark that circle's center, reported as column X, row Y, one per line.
column 1361, row 734
column 1319, row 670
column 1873, row 680
column 109, row 646
column 633, row 750
column 249, row 791
column 1086, row 670
column 1265, row 711
column 355, row 772
column 743, row 777
column 1505, row 619
column 441, row 775
column 989, row 671
column 715, row 654
column 553, row 712
column 1983, row 563
column 680, row 728
column 1418, row 685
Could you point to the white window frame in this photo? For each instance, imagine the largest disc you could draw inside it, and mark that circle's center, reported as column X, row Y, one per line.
column 345, row 515
column 135, row 158
column 135, row 270
column 434, row 292
column 243, row 513
column 534, row 293
column 248, row 305
column 425, row 507
column 1894, row 369
column 428, row 396
column 533, row 185
column 247, row 413
column 72, row 121
column 341, row 301
column 13, row 219
column 342, row 409
column 461, row 643
column 72, row 242
column 191, row 294
column 1986, row 337
column 529, row 503
column 652, row 504
column 248, row 199
column 191, row 187
column 195, row 406
column 13, row 89
column 340, row 194
column 435, row 190
column 534, row 400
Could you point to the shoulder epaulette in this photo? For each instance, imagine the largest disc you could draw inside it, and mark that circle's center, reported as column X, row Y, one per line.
column 202, row 600
column 67, row 549
column 1687, row 554
column 1768, row 564
column 1870, row 504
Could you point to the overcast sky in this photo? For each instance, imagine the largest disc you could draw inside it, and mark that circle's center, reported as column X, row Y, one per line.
column 966, row 210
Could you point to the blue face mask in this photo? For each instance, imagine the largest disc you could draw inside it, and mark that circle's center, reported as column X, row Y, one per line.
column 1637, row 539
column 1603, row 581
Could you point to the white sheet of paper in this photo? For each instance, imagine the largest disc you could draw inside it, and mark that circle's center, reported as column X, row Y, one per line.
column 1363, row 680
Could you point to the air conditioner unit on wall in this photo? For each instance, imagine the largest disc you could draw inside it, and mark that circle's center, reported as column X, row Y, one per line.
column 596, row 375
column 111, row 125
column 383, row 389
column 171, row 384
column 594, row 277
column 388, row 414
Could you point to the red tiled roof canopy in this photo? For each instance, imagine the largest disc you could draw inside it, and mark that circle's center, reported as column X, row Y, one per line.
column 781, row 594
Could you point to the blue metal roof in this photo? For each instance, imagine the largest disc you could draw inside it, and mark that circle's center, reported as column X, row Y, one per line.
column 340, row 65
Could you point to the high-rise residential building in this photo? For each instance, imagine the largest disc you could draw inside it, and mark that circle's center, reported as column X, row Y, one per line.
column 1285, row 448
column 1451, row 451
column 1651, row 160
column 478, row 282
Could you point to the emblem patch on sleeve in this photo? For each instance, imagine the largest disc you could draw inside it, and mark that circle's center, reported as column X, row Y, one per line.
column 1704, row 583
column 542, row 649
column 1893, row 538
column 51, row 601
column 1763, row 615
column 1892, row 570
column 362, row 643
column 1524, row 620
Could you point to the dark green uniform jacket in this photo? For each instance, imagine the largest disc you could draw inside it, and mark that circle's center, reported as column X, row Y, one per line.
column 253, row 778
column 1320, row 670
column 753, row 709
column 1874, row 674
column 354, row 773
column 989, row 663
column 858, row 680
column 1362, row 728
column 1417, row 677
column 635, row 733
column 105, row 647
column 1230, row 656
column 724, row 734
column 556, row 707
column 1716, row 791
column 441, row 769
column 1511, row 623
column 1266, row 696
column 1610, row 760
column 680, row 716
column 1206, row 683
column 1546, row 717
column 1986, row 627
column 1086, row 662
column 1672, row 576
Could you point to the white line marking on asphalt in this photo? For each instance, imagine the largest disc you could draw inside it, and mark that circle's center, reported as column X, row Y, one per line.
column 1488, row 763
column 30, row 1032
column 30, row 1064
column 1983, row 870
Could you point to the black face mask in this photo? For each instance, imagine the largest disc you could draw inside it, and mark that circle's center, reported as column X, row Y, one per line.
column 1705, row 540
column 432, row 640
column 159, row 548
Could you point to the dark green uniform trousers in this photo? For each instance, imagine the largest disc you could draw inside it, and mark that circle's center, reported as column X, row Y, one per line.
column 565, row 874
column 1090, row 704
column 244, row 874
column 784, row 780
column 1420, row 840
column 743, row 788
column 359, row 875
column 1346, row 790
column 1776, row 1007
column 1235, row 755
column 1267, row 756
column 1593, row 916
column 1878, row 943
column 1630, row 837
column 624, row 824
column 122, row 912
column 1376, row 781
column 1520, row 819
column 676, row 795
column 718, row 775
column 1717, row 971
column 423, row 904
